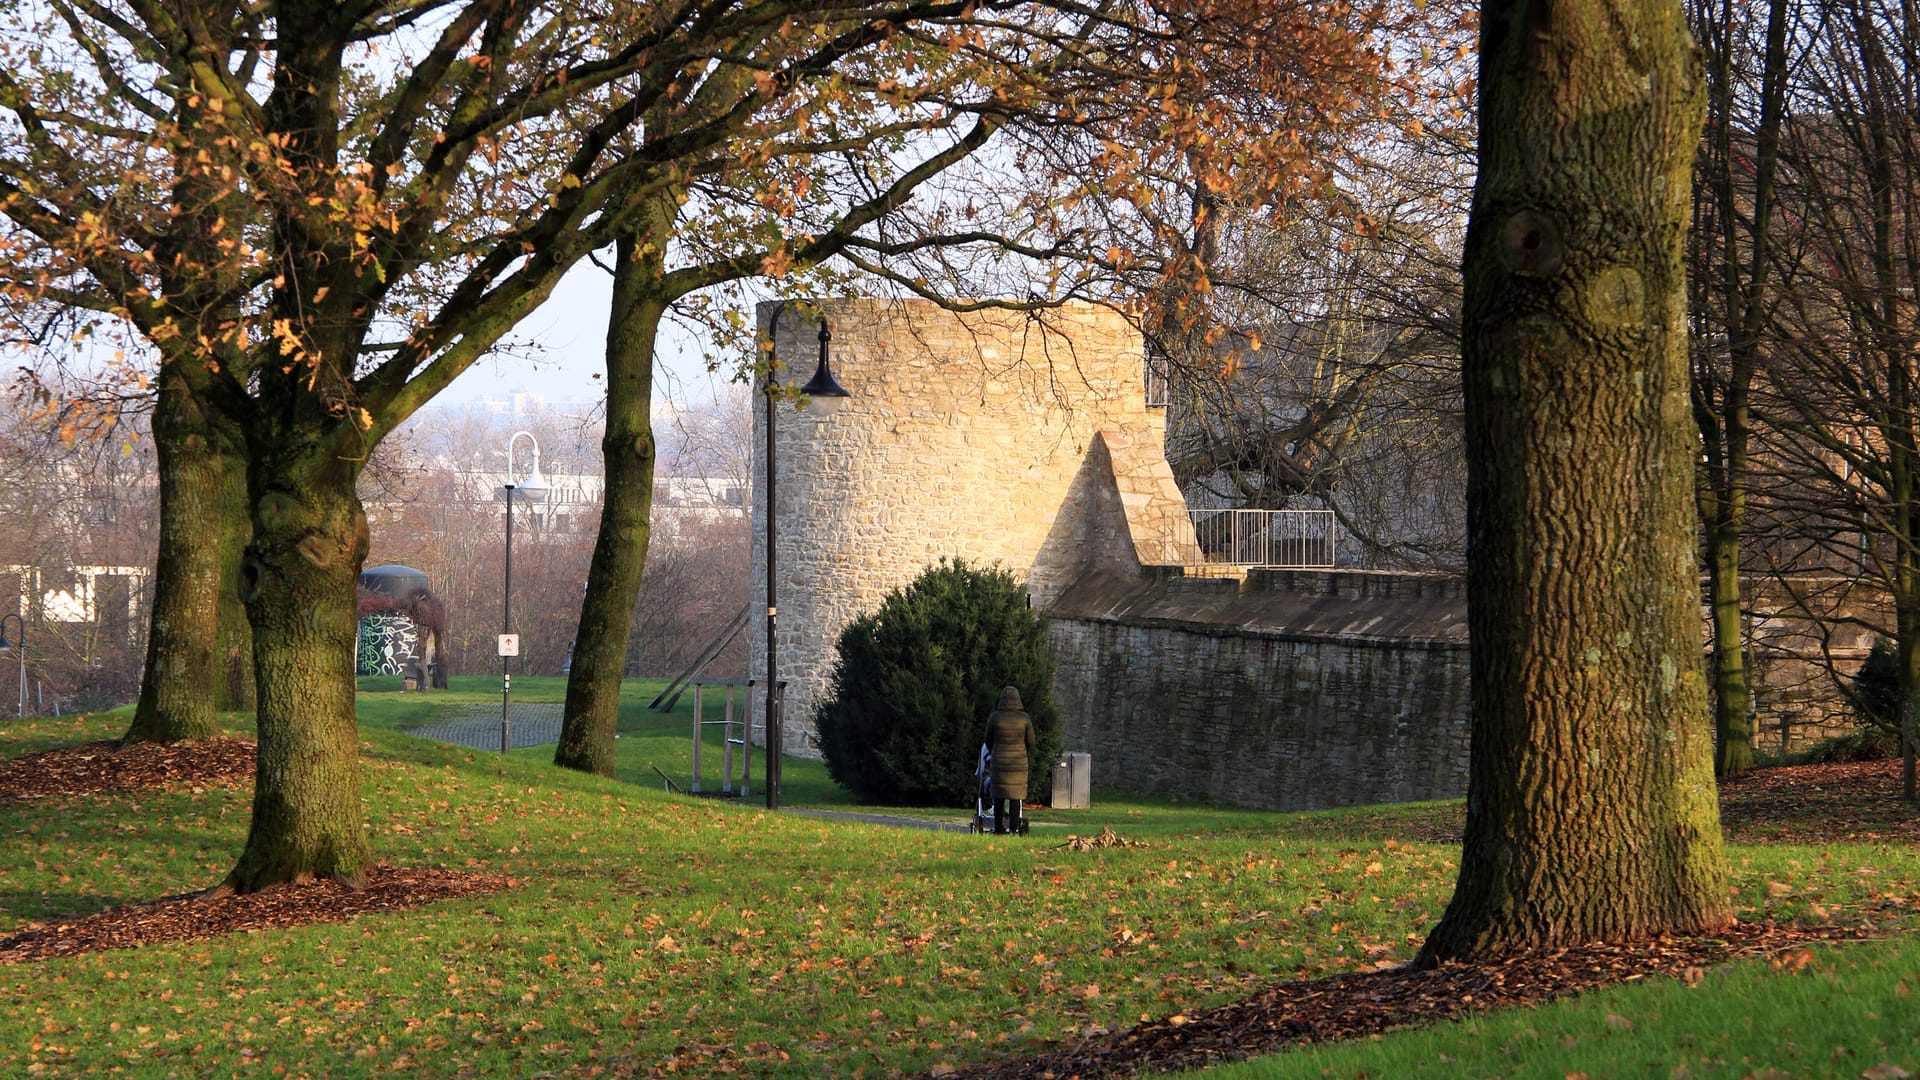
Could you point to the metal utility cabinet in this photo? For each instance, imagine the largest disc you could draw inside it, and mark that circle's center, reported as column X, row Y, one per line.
column 1073, row 782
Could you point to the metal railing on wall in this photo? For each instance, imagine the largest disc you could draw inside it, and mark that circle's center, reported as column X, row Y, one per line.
column 1285, row 538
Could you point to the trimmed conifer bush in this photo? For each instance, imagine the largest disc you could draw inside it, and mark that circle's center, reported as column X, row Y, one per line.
column 1876, row 689
column 1876, row 708
column 907, row 706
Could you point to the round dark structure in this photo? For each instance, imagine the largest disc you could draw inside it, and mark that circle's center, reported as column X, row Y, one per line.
column 399, row 582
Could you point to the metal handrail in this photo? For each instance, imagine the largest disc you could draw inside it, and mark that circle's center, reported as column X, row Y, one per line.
column 1300, row 539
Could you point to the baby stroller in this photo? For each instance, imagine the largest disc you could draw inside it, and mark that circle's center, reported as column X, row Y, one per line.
column 983, row 798
column 983, row 792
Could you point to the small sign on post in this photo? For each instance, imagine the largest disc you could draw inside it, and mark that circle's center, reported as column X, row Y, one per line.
column 509, row 646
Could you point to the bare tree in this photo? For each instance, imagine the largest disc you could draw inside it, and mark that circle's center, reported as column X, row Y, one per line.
column 1838, row 409
column 1730, row 295
column 1314, row 358
column 77, row 525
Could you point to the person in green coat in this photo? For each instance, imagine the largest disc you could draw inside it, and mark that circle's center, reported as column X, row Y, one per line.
column 1011, row 740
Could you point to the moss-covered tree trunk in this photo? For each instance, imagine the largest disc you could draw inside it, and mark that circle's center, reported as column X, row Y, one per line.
column 176, row 688
column 307, row 438
column 309, row 542
column 620, row 550
column 199, row 655
column 233, row 647
column 1732, row 690
column 1591, row 809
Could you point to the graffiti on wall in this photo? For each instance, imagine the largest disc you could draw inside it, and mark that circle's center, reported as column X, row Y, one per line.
column 389, row 642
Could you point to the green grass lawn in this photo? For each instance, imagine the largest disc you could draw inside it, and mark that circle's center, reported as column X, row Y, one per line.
column 1850, row 1012
column 659, row 932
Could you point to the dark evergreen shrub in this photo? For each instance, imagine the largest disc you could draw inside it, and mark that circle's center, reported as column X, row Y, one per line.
column 907, row 706
column 1876, row 689
column 1876, row 708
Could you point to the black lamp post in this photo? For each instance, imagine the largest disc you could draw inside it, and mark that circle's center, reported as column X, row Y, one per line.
column 533, row 488
column 824, row 396
column 17, row 647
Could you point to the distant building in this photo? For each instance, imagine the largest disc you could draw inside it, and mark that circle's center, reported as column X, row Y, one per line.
column 108, row 596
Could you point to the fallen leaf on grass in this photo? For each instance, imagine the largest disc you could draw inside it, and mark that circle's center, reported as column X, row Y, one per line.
column 1107, row 838
column 1795, row 960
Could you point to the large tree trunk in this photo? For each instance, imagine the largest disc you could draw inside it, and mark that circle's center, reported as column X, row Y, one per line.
column 177, row 688
column 199, row 651
column 233, row 648
column 1881, row 329
column 309, row 541
column 620, row 550
column 1903, row 496
column 1591, row 809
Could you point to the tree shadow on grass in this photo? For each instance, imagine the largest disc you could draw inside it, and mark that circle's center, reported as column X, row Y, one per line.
column 41, row 906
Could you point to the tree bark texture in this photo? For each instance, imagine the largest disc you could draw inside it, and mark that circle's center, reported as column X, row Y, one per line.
column 1591, row 809
column 233, row 648
column 1732, row 690
column 309, row 542
column 620, row 550
column 177, row 696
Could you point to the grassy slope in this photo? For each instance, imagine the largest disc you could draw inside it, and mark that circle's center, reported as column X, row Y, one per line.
column 652, row 930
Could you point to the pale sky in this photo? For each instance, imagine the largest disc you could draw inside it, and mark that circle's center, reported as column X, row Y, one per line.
column 571, row 329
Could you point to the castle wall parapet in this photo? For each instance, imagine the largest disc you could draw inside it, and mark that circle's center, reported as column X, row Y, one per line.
column 1285, row 690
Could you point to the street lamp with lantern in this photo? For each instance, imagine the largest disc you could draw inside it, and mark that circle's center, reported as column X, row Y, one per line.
column 824, row 397
column 533, row 488
column 16, row 646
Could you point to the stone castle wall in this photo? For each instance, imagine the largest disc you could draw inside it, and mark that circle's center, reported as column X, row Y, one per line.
column 1292, row 690
column 984, row 436
column 1304, row 689
column 1802, row 632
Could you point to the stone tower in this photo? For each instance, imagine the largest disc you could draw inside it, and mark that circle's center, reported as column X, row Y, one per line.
column 994, row 436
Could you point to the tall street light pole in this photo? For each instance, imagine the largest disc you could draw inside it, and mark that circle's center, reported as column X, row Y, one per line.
column 533, row 488
column 17, row 646
column 824, row 396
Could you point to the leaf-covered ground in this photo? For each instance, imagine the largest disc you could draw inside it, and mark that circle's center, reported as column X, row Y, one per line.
column 189, row 918
column 1855, row 802
column 98, row 767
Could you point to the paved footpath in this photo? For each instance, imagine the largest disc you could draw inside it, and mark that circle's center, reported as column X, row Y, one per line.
column 538, row 723
column 530, row 724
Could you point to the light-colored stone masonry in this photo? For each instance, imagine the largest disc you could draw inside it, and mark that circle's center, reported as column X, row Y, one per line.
column 992, row 436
